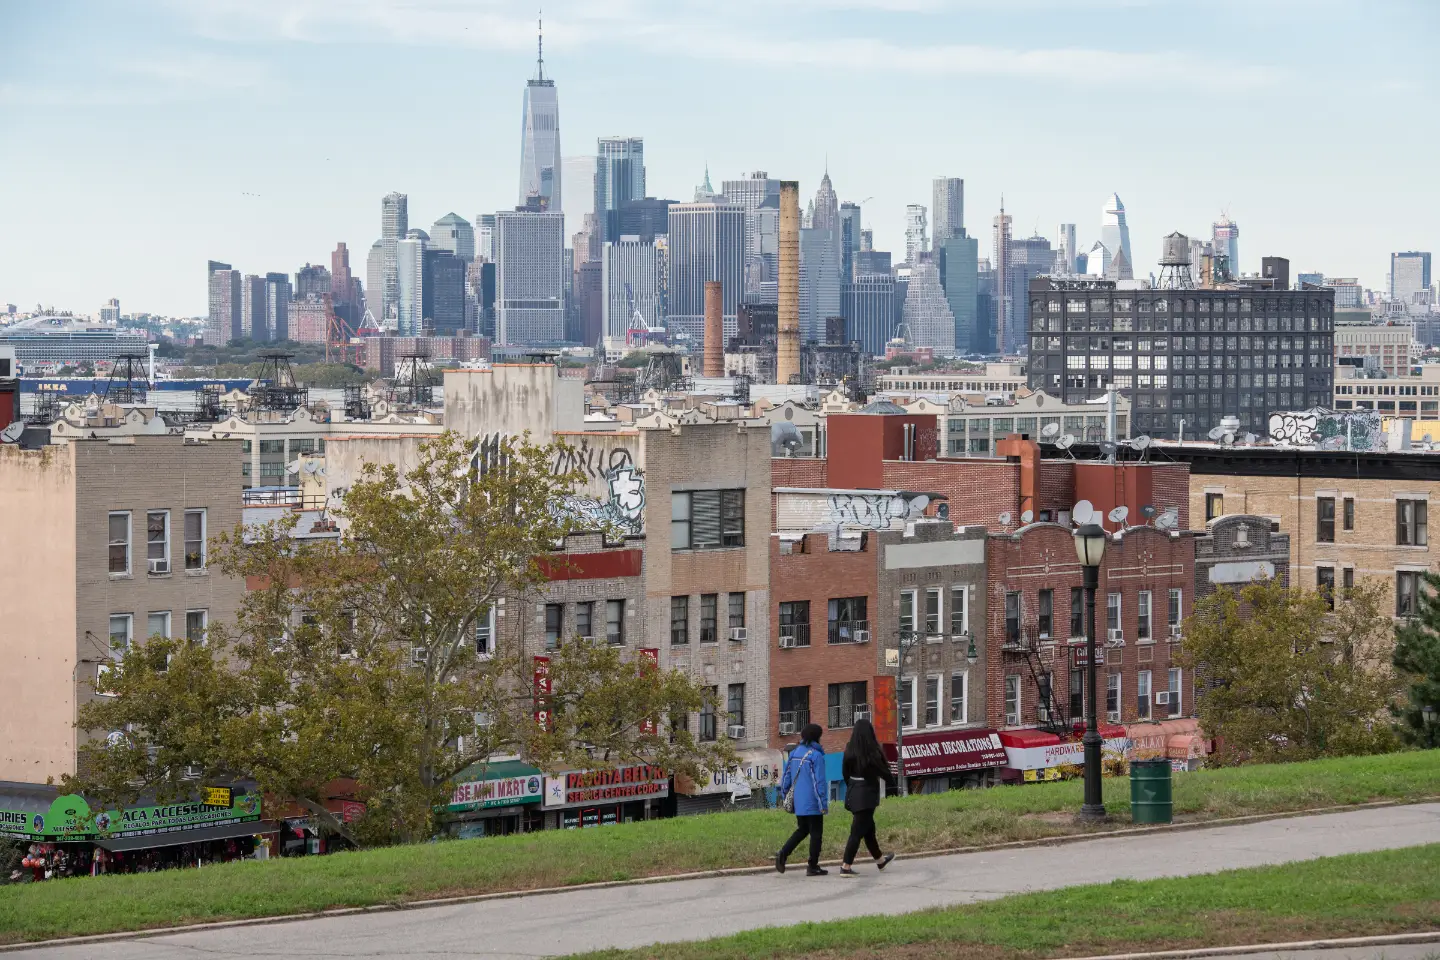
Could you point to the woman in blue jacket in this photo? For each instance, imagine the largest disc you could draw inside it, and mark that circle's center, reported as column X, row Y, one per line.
column 805, row 771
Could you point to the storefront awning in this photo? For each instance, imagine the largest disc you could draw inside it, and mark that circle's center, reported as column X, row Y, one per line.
column 177, row 837
column 500, row 784
column 1038, row 750
column 1149, row 740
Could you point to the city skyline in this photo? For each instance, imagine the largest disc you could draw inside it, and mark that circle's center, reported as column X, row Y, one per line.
column 162, row 198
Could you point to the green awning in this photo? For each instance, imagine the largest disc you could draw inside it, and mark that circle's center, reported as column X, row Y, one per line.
column 499, row 784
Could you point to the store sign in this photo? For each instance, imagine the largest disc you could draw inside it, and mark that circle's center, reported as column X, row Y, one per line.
column 1059, row 754
column 1082, row 656
column 497, row 793
column 606, row 786
column 70, row 818
column 543, row 690
column 757, row 770
column 950, row 751
column 217, row 796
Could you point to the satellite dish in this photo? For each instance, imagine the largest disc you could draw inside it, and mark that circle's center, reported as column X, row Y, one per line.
column 1169, row 519
column 1083, row 512
column 1141, row 442
column 1049, row 430
column 1148, row 512
column 1107, row 447
column 1227, row 438
column 1004, row 519
column 11, row 434
column 1249, row 438
column 1119, row 514
column 1066, row 442
column 293, row 466
column 1426, row 438
column 1216, row 433
column 1027, row 516
column 942, row 510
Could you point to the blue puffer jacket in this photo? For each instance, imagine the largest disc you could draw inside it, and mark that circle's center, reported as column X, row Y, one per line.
column 806, row 769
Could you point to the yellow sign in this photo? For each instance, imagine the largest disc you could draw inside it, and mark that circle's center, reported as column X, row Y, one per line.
column 217, row 796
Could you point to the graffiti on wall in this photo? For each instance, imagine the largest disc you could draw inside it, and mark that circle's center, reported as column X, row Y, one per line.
column 874, row 511
column 623, row 508
column 1344, row 430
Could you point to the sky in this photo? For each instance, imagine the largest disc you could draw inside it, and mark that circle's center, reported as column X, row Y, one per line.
column 158, row 134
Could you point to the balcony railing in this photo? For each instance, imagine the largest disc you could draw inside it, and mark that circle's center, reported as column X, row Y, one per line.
column 849, row 631
column 845, row 716
column 794, row 634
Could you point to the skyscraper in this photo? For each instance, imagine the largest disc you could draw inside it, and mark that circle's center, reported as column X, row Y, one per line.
column 927, row 315
column 375, row 285
column 761, row 229
column 346, row 296
column 529, row 277
column 870, row 311
column 1410, row 277
column 707, row 242
column 442, row 292
column 540, row 170
column 312, row 280
column 1027, row 259
column 223, row 322
column 850, row 231
column 410, row 300
column 579, row 177
column 915, row 232
column 630, row 280
column 619, row 178
column 1225, row 242
column 278, row 295
column 1000, row 233
column 253, row 322
column 1065, row 256
column 827, row 206
column 394, row 224
column 948, row 209
column 819, row 280
column 1115, row 234
column 958, row 258
column 485, row 237
column 453, row 232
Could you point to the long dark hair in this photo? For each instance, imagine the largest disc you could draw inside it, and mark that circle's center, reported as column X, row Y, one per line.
column 862, row 754
column 812, row 733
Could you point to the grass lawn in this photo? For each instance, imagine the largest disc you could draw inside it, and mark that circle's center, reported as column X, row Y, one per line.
column 558, row 858
column 1396, row 891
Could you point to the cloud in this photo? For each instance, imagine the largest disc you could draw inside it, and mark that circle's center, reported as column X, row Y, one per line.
column 162, row 77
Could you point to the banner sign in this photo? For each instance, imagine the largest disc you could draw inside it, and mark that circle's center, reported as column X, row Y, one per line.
column 70, row 818
column 496, row 793
column 952, row 751
column 606, row 786
column 542, row 692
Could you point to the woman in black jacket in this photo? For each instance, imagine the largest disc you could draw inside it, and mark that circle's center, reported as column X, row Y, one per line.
column 864, row 768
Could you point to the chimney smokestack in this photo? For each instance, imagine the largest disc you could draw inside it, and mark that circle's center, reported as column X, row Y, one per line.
column 787, row 348
column 714, row 329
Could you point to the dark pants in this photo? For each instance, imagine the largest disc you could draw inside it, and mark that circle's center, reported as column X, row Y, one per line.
column 812, row 826
column 862, row 827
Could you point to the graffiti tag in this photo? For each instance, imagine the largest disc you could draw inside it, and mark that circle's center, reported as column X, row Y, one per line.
column 874, row 511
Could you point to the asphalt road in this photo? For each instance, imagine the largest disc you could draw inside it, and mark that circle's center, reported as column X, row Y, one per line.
column 562, row 923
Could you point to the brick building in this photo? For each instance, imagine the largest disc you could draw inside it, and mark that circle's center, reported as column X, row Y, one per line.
column 1237, row 550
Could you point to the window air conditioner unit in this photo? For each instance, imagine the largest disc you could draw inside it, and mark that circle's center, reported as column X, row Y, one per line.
column 787, row 729
column 1112, row 716
column 736, row 731
column 159, row 566
column 1163, row 698
column 788, row 642
column 1175, row 631
column 586, row 638
column 738, row 634
column 1115, row 635
column 862, row 636
column 460, row 744
column 862, row 713
column 192, row 772
column 419, row 655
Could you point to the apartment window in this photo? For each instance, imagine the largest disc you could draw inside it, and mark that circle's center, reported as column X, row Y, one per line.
column 120, row 542
column 1214, row 505
column 1142, row 695
column 272, row 446
column 959, row 613
column 1411, row 523
column 847, row 701
column 1347, row 579
column 1012, row 700
column 907, row 611
column 120, row 633
column 554, row 623
column 1175, row 697
column 1142, row 608
column 485, row 633
column 1044, row 696
column 1077, row 694
column 959, row 697
column 707, row 716
column 680, row 620
column 585, row 618
column 1173, row 616
column 1077, row 611
column 932, row 611
column 1047, row 610
column 932, row 700
column 709, row 604
column 907, row 703
column 1112, row 612
column 1325, row 584
column 1348, row 514
column 707, row 519
column 846, row 616
column 795, row 622
column 197, row 624
column 736, row 603
column 1325, row 519
column 158, row 624
column 735, row 705
column 1112, row 697
column 794, row 709
column 194, row 539
column 1012, row 617
column 157, row 541
column 1407, row 593
column 615, row 621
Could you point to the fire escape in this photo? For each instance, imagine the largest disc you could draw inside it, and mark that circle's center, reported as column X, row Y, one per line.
column 1021, row 644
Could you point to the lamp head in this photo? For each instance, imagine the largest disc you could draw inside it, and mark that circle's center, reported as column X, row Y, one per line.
column 1090, row 540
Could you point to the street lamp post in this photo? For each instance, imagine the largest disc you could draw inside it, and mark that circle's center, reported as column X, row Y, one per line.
column 1090, row 548
column 905, row 639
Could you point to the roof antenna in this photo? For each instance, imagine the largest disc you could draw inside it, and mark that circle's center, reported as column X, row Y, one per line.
column 540, row 46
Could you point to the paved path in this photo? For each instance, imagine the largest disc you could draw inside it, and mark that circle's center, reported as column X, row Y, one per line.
column 1409, row 951
column 561, row 923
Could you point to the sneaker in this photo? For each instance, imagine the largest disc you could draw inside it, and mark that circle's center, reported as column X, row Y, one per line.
column 779, row 863
column 816, row 872
column 848, row 872
column 884, row 861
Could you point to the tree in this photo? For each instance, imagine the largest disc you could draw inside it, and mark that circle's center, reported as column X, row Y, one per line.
column 1417, row 657
column 1280, row 676
column 355, row 659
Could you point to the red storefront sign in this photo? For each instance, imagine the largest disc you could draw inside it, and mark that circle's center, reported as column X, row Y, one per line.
column 542, row 692
column 649, row 661
column 1082, row 656
column 949, row 751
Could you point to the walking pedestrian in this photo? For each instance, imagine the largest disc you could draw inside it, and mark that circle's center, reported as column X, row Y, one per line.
column 864, row 769
column 803, row 787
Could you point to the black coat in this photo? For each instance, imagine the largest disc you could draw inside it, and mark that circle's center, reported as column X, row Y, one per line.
column 862, row 785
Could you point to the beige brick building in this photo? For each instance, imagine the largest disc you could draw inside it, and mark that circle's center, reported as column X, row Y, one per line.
column 107, row 543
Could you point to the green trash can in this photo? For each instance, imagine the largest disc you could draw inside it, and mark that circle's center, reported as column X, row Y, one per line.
column 1150, row 794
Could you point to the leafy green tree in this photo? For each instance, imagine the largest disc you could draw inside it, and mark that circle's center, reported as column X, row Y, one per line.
column 355, row 659
column 1417, row 657
column 1280, row 676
